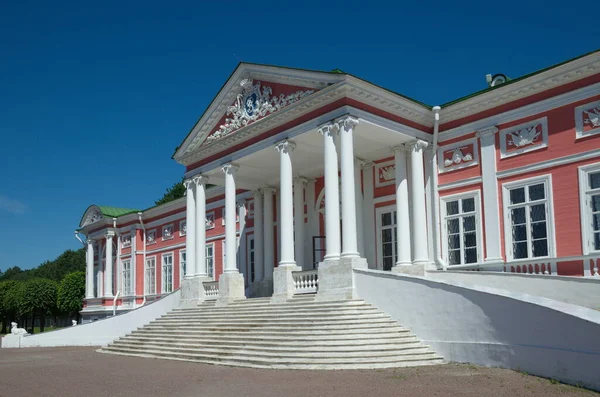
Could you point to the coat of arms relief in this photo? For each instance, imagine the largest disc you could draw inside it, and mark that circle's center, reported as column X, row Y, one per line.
column 254, row 102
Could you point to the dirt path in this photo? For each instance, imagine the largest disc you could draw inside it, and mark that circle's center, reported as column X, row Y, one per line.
column 83, row 372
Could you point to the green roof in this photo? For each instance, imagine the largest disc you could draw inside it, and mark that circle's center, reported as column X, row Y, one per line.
column 115, row 212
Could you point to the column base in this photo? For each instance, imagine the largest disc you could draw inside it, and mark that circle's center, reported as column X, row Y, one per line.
column 192, row 291
column 417, row 269
column 336, row 278
column 494, row 264
column 262, row 288
column 231, row 288
column 284, row 286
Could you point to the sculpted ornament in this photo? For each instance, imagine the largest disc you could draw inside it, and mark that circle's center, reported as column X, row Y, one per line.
column 17, row 331
column 592, row 117
column 458, row 157
column 525, row 136
column 252, row 104
column 387, row 173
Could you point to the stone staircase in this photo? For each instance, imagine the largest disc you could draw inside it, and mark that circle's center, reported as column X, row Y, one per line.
column 299, row 334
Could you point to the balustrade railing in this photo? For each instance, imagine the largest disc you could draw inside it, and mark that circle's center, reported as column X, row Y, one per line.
column 211, row 289
column 307, row 281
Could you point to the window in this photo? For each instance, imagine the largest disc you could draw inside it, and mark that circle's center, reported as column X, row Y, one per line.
column 589, row 187
column 251, row 256
column 387, row 241
column 167, row 232
column 150, row 286
column 182, row 228
column 126, row 277
column 182, row 263
column 461, row 240
column 528, row 227
column 167, row 273
column 210, row 250
column 150, row 237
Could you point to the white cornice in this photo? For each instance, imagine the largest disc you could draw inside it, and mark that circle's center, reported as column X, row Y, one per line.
column 557, row 76
column 522, row 112
column 460, row 183
column 572, row 158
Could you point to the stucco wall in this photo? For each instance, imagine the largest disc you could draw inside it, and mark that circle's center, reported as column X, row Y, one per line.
column 492, row 327
column 575, row 290
column 101, row 332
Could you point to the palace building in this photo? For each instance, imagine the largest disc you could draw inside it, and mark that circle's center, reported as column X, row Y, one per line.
column 295, row 177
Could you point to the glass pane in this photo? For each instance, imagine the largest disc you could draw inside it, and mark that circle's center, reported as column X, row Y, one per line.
column 470, row 239
column 252, row 244
column 536, row 192
column 597, row 241
column 386, row 235
column 388, row 250
column 386, row 219
column 454, row 257
column 395, row 219
column 539, row 230
column 595, row 180
column 520, row 250
column 452, row 207
column 538, row 212
column 517, row 195
column 468, row 205
column 596, row 222
column 453, row 226
column 471, row 255
column 469, row 223
column 596, row 202
column 454, row 241
column 540, row 247
column 388, row 263
column 518, row 216
column 520, row 233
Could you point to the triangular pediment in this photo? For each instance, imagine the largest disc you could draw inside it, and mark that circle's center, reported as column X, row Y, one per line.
column 252, row 94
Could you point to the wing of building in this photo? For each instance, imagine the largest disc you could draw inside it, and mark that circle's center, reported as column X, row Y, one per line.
column 295, row 175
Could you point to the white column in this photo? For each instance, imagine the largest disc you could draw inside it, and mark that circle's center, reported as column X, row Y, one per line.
column 428, row 154
column 312, row 227
column 360, row 232
column 190, row 234
column 369, row 215
column 269, row 247
column 299, row 245
column 230, row 215
column 200, row 229
column 419, row 219
column 100, row 279
column 349, row 235
column 285, row 220
column 119, row 265
column 134, row 271
column 277, row 222
column 332, row 198
column 89, row 267
column 259, row 263
column 491, row 213
column 402, row 216
column 108, row 271
column 241, row 245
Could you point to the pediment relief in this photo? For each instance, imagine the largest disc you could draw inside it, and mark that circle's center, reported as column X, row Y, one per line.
column 93, row 216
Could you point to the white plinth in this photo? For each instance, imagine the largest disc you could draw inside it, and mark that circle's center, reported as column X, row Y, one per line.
column 283, row 283
column 336, row 278
column 231, row 288
column 192, row 291
column 11, row 340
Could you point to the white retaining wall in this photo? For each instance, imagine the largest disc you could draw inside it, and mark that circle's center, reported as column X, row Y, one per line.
column 101, row 332
column 492, row 327
column 582, row 291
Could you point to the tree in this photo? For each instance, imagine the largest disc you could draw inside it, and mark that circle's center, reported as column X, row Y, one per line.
column 68, row 262
column 39, row 299
column 7, row 308
column 15, row 273
column 71, row 292
column 173, row 193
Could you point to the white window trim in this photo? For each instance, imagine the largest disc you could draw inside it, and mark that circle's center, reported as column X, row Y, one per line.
column 146, row 289
column 162, row 273
column 507, row 223
column 584, row 218
column 526, row 149
column 453, row 146
column 181, row 223
column 153, row 231
column 579, row 133
column 163, row 238
column 181, row 272
column 478, row 222
column 130, row 292
column 214, row 267
column 378, row 212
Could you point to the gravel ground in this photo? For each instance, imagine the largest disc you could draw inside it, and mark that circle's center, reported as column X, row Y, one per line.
column 75, row 371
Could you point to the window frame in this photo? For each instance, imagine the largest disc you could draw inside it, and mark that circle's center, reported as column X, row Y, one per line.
column 163, row 290
column 476, row 195
column 587, row 234
column 379, row 233
column 506, row 206
column 146, row 283
column 181, row 224
column 162, row 232
column 212, row 246
column 153, row 233
column 182, row 274
column 130, row 291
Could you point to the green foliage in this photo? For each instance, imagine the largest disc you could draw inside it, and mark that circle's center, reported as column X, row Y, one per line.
column 6, row 288
column 173, row 193
column 71, row 292
column 39, row 296
column 12, row 297
column 67, row 262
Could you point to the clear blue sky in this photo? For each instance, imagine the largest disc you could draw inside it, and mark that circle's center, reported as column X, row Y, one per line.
column 94, row 98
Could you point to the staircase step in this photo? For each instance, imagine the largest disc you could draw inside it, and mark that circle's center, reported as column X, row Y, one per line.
column 260, row 341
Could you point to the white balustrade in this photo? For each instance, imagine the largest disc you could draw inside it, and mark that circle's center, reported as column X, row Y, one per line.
column 307, row 282
column 211, row 289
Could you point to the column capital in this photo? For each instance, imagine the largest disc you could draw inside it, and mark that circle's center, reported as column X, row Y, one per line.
column 200, row 179
column 487, row 131
column 257, row 192
column 399, row 148
column 327, row 129
column 230, row 168
column 346, row 123
column 109, row 235
column 90, row 241
column 285, row 146
column 188, row 183
column 368, row 164
column 416, row 145
column 267, row 190
column 358, row 161
column 240, row 203
column 300, row 179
